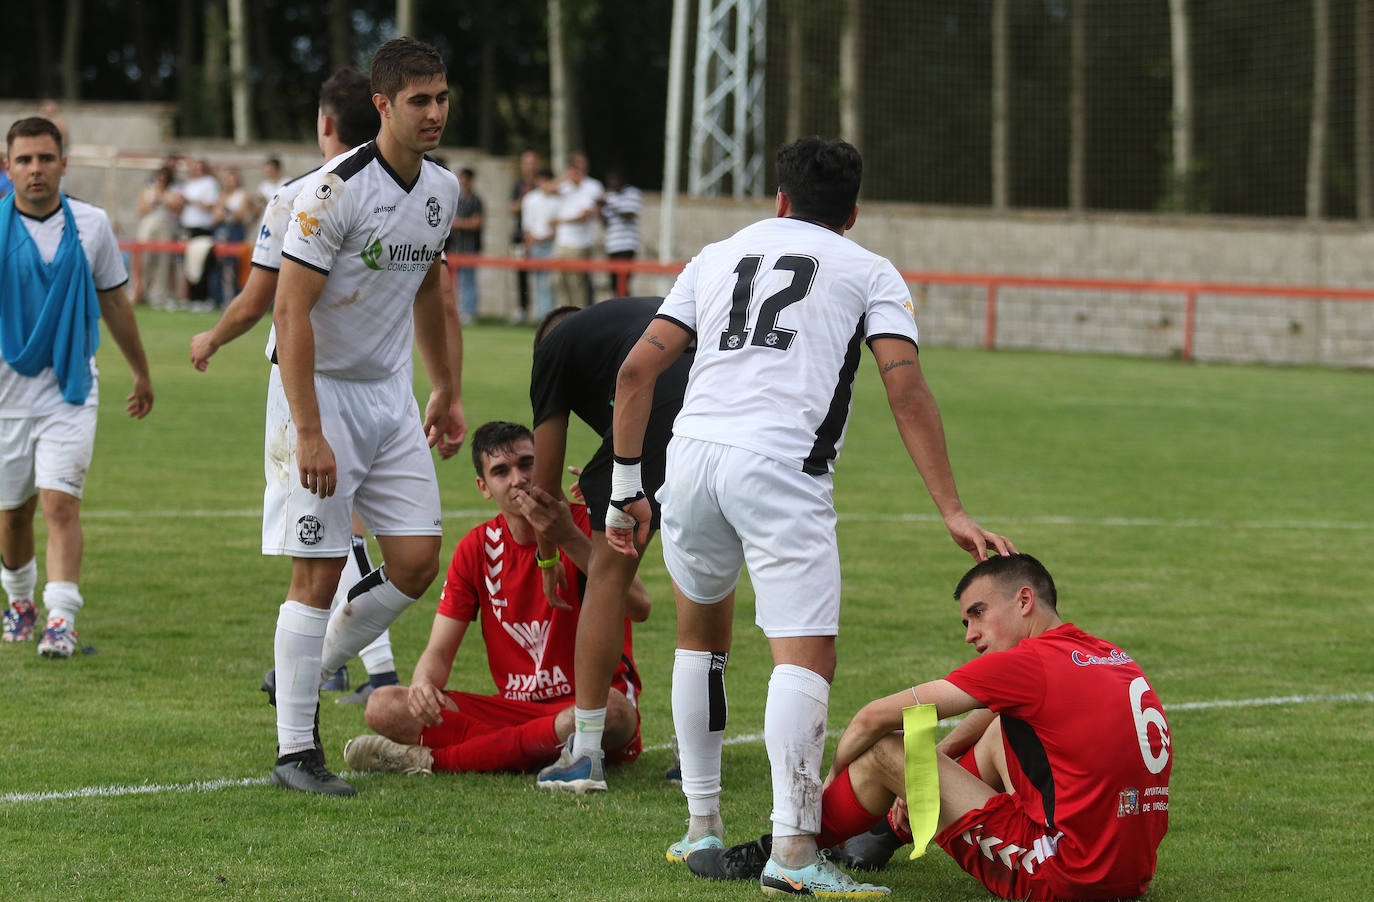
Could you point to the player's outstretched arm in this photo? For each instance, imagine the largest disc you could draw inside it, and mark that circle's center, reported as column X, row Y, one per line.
column 432, row 341
column 425, row 698
column 923, row 434
column 119, row 319
column 241, row 315
column 627, row 520
column 298, row 289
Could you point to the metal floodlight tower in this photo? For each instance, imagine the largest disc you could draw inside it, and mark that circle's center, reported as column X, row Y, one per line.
column 727, row 103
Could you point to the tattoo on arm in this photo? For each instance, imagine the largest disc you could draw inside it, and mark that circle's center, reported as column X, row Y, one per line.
column 653, row 340
column 892, row 365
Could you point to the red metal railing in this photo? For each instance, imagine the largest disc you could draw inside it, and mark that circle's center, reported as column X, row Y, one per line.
column 992, row 283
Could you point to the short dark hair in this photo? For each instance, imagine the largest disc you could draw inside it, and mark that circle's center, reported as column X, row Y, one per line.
column 467, row 172
column 402, row 60
column 498, row 435
column 1010, row 572
column 346, row 97
column 33, row 127
column 821, row 178
column 551, row 319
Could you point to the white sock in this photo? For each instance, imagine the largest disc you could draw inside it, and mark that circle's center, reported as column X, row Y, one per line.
column 374, row 605
column 62, row 600
column 377, row 657
column 794, row 732
column 588, row 728
column 699, row 713
column 20, row 582
column 300, row 636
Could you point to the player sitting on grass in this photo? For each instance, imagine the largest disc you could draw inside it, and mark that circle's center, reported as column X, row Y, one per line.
column 1061, row 787
column 495, row 573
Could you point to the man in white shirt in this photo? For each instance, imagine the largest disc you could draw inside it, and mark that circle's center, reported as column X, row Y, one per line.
column 194, row 203
column 59, row 261
column 779, row 312
column 361, row 253
column 538, row 210
column 575, row 233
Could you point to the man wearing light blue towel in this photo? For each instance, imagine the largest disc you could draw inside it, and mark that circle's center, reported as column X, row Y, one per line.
column 60, row 271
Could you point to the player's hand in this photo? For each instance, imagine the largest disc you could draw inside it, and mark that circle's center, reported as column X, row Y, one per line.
column 140, row 400
column 627, row 528
column 426, row 701
column 576, row 488
column 974, row 539
column 315, row 463
column 203, row 347
column 900, row 817
column 452, row 443
column 438, row 421
column 551, row 517
column 555, row 578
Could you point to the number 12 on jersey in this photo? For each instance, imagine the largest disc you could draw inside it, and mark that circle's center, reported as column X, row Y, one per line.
column 767, row 333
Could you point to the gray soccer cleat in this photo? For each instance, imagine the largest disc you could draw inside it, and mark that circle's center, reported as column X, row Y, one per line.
column 381, row 755
column 306, row 772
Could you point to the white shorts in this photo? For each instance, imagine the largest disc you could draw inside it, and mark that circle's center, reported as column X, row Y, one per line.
column 52, row 451
column 724, row 507
column 383, row 463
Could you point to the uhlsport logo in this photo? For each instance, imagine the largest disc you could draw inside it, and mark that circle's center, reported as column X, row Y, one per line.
column 372, row 252
column 432, row 212
column 309, row 530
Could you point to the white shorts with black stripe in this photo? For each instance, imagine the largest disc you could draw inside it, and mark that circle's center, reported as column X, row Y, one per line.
column 725, row 507
column 385, row 471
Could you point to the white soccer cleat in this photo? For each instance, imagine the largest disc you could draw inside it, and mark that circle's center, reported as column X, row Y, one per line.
column 59, row 639
column 381, row 755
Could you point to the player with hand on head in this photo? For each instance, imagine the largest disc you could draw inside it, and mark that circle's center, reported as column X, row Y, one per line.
column 1056, row 784
column 61, row 271
column 779, row 312
column 495, row 577
column 358, row 278
column 577, row 353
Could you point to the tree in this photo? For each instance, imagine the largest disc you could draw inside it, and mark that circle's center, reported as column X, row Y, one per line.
column 1321, row 100
column 1181, row 187
column 1078, row 126
column 1001, row 65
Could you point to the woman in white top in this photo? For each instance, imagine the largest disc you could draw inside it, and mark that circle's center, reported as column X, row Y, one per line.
column 156, row 223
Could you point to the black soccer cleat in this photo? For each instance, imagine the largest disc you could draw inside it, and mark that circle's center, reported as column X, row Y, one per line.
column 869, row 851
column 269, row 685
column 306, row 772
column 742, row 862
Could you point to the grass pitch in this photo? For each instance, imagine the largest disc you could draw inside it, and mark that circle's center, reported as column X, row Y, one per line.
column 1216, row 522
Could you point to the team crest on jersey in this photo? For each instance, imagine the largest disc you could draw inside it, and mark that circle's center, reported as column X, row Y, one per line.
column 309, row 224
column 309, row 530
column 432, row 212
column 1128, row 803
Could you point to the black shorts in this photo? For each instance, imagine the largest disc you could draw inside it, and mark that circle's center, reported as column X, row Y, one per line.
column 595, row 480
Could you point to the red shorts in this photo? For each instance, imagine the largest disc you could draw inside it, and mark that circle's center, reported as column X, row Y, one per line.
column 499, row 711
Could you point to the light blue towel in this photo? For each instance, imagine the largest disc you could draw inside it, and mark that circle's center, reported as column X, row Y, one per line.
column 49, row 313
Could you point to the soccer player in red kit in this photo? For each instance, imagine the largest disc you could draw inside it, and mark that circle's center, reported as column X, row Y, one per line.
column 1062, row 787
column 495, row 577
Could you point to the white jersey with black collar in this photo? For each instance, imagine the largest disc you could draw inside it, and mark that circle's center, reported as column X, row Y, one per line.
column 375, row 237
column 780, row 310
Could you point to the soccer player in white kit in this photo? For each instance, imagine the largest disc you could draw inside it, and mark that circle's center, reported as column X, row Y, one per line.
column 779, row 312
column 343, row 432
column 60, row 272
column 346, row 119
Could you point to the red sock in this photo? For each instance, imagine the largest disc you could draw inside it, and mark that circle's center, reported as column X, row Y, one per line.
column 516, row 748
column 842, row 815
column 898, row 830
column 452, row 731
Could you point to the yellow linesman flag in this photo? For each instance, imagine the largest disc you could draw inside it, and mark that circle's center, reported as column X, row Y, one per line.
column 922, row 775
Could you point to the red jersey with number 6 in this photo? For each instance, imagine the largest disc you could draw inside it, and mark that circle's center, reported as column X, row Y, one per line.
column 1088, row 752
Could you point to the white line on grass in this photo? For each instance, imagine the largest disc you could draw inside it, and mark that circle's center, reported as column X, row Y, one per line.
column 1039, row 520
column 105, row 792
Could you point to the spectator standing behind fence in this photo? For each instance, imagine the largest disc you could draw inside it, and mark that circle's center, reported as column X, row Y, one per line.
column 575, row 229
column 620, row 211
column 156, row 223
column 194, row 203
column 232, row 214
column 272, row 179
column 526, row 181
column 466, row 238
column 538, row 210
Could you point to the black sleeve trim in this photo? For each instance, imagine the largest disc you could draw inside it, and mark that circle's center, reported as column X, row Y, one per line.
column 676, row 322
column 112, row 287
column 307, row 265
column 870, row 339
column 255, row 264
